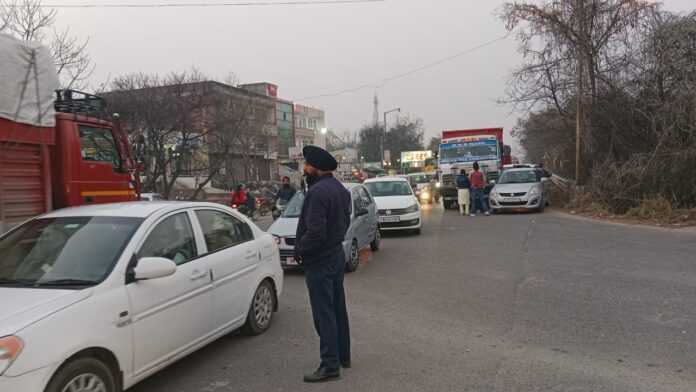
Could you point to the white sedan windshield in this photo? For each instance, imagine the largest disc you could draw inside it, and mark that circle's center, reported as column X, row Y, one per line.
column 63, row 251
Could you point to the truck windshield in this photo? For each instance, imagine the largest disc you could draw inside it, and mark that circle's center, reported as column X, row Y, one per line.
column 469, row 151
column 63, row 252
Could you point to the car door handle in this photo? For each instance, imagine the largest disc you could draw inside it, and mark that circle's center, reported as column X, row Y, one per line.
column 250, row 254
column 198, row 274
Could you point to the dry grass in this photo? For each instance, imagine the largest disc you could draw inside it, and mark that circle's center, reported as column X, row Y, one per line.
column 655, row 211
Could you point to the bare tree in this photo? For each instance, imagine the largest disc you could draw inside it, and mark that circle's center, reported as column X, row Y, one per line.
column 571, row 46
column 28, row 20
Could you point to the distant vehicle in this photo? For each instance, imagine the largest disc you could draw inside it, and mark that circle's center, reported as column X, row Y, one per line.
column 520, row 188
column 398, row 207
column 151, row 197
column 460, row 149
column 98, row 298
column 423, row 190
column 519, row 166
column 362, row 232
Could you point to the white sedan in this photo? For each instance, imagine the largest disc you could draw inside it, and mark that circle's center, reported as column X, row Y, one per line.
column 98, row 298
column 398, row 206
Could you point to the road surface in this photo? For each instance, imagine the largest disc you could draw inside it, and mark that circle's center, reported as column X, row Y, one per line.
column 513, row 302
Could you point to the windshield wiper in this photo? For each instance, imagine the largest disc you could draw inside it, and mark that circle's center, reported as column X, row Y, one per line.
column 15, row 282
column 66, row 282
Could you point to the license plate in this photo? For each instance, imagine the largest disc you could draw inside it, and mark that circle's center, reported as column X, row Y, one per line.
column 290, row 261
column 388, row 219
column 513, row 199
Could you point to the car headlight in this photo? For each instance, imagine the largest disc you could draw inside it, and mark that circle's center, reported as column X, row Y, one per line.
column 10, row 347
column 494, row 194
column 437, row 185
column 534, row 191
column 412, row 209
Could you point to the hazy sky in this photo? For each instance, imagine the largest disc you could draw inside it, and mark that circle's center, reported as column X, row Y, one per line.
column 311, row 50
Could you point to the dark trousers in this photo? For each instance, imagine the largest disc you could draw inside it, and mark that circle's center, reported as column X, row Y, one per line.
column 477, row 194
column 326, row 295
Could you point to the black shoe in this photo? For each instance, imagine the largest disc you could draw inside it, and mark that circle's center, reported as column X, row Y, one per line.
column 322, row 374
column 346, row 364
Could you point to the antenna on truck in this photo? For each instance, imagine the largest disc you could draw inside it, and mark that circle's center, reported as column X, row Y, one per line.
column 77, row 102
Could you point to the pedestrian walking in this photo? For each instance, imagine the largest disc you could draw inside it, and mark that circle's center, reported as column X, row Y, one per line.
column 321, row 229
column 464, row 184
column 478, row 184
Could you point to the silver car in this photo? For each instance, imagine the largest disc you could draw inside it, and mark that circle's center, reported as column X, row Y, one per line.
column 362, row 232
column 520, row 188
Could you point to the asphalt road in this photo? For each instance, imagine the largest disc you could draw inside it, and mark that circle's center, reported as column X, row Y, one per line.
column 514, row 302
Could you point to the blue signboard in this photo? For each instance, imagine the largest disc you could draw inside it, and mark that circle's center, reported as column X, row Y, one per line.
column 482, row 150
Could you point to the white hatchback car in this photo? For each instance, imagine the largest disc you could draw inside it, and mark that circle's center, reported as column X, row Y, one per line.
column 104, row 296
column 398, row 206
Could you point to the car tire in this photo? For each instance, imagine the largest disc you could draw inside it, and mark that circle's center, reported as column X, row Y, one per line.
column 82, row 370
column 354, row 260
column 377, row 242
column 541, row 208
column 261, row 310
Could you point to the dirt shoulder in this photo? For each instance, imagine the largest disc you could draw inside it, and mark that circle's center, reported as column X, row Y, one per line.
column 683, row 222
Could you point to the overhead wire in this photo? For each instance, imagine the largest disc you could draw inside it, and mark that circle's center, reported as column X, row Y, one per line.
column 235, row 4
column 407, row 73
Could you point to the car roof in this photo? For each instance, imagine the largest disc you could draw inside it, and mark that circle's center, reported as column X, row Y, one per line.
column 383, row 179
column 521, row 169
column 133, row 209
column 351, row 185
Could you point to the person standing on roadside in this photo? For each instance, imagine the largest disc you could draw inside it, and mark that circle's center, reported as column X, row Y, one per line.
column 321, row 229
column 478, row 184
column 464, row 185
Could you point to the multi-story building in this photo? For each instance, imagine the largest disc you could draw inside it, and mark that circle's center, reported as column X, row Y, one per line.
column 308, row 124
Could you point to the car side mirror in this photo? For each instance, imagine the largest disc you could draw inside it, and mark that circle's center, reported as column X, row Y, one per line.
column 154, row 268
column 362, row 212
column 492, row 182
column 544, row 179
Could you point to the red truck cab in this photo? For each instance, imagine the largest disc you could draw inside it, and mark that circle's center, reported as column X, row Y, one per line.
column 81, row 160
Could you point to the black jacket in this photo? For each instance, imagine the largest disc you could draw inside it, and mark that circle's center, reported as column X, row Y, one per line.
column 323, row 222
column 286, row 193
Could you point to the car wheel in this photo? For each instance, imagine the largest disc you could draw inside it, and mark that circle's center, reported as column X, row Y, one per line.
column 261, row 310
column 542, row 206
column 83, row 375
column 352, row 263
column 375, row 244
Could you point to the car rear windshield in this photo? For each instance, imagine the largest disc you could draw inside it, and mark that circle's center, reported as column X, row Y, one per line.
column 389, row 188
column 60, row 252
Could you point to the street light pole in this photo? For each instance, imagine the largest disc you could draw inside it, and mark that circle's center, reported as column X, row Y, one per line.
column 381, row 144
